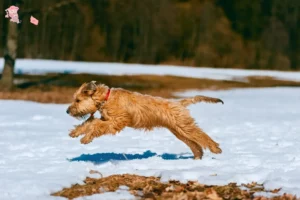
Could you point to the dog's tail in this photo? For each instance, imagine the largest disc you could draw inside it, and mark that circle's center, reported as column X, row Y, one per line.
column 192, row 100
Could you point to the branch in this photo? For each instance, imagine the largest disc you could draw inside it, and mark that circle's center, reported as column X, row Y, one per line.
column 48, row 9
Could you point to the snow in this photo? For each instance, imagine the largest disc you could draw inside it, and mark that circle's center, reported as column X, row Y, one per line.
column 27, row 66
column 258, row 131
column 121, row 193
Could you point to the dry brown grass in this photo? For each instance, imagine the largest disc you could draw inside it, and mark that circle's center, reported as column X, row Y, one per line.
column 59, row 88
column 151, row 188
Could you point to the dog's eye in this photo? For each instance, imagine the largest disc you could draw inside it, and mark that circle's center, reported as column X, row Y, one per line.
column 77, row 100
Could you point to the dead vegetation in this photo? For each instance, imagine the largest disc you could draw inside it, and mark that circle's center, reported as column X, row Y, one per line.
column 59, row 88
column 151, row 188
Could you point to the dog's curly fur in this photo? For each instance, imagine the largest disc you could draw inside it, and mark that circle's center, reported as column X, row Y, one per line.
column 131, row 109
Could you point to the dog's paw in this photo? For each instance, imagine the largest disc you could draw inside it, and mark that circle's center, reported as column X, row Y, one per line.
column 74, row 133
column 216, row 150
column 86, row 140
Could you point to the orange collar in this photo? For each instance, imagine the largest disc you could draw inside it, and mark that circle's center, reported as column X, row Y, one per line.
column 107, row 94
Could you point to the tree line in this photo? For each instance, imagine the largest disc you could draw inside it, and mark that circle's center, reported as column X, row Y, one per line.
column 251, row 34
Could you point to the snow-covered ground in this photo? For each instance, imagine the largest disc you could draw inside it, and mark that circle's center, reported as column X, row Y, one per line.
column 258, row 130
column 25, row 66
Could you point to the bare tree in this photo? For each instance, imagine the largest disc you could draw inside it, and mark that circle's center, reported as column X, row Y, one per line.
column 10, row 38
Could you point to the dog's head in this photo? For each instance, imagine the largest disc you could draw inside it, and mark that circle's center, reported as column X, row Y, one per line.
column 85, row 99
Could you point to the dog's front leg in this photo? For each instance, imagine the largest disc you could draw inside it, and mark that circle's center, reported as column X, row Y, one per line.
column 98, row 128
column 82, row 128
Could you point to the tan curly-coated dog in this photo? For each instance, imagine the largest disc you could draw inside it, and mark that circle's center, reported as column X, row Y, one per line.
column 121, row 108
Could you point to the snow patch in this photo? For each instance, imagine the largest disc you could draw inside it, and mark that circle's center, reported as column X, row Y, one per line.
column 258, row 131
column 28, row 66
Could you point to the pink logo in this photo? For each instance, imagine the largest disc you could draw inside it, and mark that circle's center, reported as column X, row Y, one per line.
column 12, row 13
column 34, row 21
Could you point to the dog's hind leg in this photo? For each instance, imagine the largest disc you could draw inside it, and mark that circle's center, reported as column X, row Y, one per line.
column 205, row 141
column 195, row 134
column 186, row 127
column 196, row 149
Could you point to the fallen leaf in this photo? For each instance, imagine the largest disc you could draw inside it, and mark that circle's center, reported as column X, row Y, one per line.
column 212, row 194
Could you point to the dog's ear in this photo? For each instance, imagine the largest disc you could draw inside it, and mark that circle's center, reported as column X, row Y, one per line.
column 90, row 88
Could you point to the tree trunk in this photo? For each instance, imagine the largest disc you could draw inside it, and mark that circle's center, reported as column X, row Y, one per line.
column 10, row 51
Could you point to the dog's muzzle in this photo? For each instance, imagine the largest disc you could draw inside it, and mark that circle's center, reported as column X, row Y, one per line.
column 68, row 111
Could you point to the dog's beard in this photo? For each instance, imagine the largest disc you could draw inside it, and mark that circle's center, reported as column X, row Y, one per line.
column 81, row 116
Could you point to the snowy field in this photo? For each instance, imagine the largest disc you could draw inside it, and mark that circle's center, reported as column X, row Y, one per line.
column 25, row 66
column 258, row 130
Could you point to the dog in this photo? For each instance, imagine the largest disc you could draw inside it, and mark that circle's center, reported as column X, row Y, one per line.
column 120, row 108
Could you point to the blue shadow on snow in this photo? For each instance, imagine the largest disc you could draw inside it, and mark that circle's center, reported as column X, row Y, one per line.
column 100, row 158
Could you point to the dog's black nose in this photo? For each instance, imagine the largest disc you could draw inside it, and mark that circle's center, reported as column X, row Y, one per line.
column 67, row 111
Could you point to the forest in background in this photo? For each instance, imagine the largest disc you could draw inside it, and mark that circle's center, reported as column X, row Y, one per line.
column 250, row 34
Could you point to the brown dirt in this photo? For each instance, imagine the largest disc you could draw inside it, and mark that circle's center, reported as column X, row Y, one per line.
column 151, row 188
column 59, row 88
